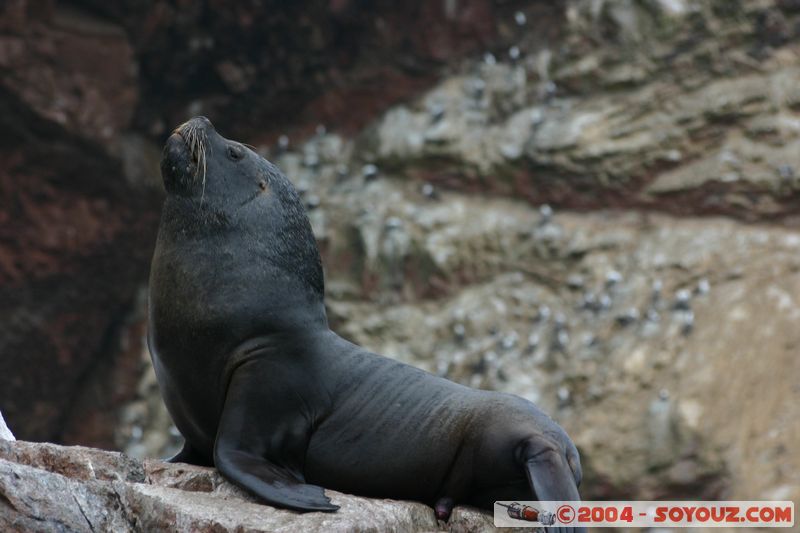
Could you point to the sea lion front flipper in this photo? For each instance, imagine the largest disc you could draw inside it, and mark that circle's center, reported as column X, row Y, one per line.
column 551, row 478
column 262, row 440
column 274, row 484
column 191, row 456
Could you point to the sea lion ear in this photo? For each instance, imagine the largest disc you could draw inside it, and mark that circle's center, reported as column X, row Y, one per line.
column 271, row 468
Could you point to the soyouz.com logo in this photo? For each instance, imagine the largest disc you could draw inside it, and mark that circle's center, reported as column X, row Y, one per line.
column 645, row 513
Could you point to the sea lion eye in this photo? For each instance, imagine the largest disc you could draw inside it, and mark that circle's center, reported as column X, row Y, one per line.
column 235, row 152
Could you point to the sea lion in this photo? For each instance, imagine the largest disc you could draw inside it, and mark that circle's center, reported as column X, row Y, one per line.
column 263, row 390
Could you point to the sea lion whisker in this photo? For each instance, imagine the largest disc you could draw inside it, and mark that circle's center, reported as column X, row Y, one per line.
column 202, row 156
column 186, row 133
column 196, row 141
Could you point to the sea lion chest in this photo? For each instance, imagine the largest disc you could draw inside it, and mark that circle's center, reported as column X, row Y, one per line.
column 200, row 309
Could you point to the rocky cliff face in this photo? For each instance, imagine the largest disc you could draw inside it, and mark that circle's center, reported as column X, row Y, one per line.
column 592, row 204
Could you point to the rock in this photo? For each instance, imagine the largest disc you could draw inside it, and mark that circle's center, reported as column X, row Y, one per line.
column 46, row 487
column 70, row 68
column 73, row 189
column 5, row 433
column 36, row 500
column 621, row 132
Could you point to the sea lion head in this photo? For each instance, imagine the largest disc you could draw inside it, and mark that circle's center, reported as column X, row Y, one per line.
column 198, row 161
column 220, row 187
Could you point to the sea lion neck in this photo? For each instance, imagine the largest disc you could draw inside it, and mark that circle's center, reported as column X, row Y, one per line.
column 274, row 254
column 271, row 229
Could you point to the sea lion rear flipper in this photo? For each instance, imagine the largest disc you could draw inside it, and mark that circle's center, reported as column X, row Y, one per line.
column 262, row 440
column 551, row 479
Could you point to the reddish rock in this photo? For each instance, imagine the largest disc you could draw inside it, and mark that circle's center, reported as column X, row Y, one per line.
column 69, row 67
column 75, row 234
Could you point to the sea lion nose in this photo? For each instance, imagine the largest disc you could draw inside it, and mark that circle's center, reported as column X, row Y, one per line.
column 200, row 122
